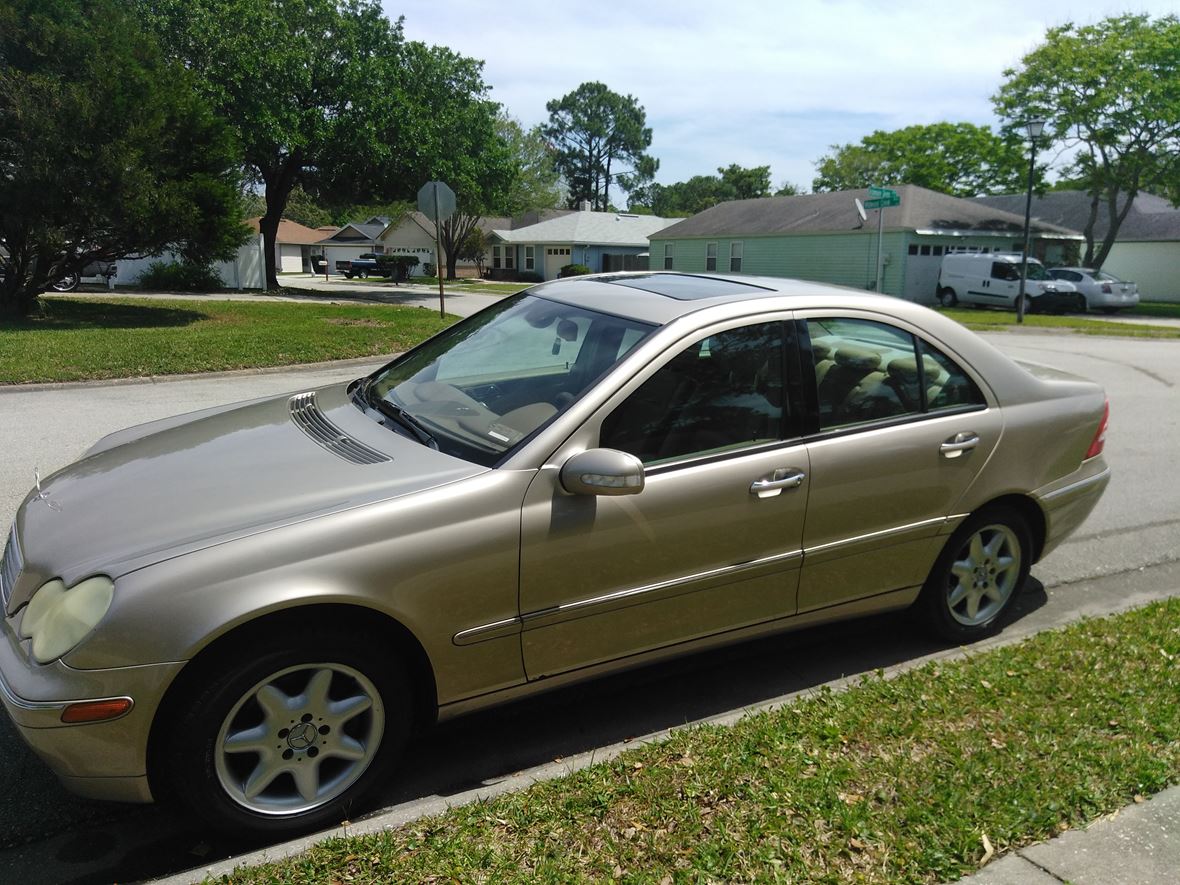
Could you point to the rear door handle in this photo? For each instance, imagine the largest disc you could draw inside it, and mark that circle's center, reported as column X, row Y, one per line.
column 783, row 478
column 959, row 443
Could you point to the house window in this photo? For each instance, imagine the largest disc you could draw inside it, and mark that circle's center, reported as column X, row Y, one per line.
column 710, row 256
column 938, row 250
column 735, row 257
column 925, row 250
column 529, row 262
column 509, row 257
column 669, row 255
column 496, row 260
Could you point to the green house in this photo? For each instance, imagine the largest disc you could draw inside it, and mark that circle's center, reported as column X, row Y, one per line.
column 823, row 237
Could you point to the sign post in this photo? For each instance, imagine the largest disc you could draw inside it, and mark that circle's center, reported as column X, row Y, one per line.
column 437, row 202
column 881, row 198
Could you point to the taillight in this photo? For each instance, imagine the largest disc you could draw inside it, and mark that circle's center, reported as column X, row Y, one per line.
column 1100, row 437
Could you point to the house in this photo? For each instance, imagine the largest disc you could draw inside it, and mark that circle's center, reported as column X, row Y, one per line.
column 293, row 245
column 823, row 237
column 603, row 241
column 1146, row 250
column 413, row 234
column 353, row 240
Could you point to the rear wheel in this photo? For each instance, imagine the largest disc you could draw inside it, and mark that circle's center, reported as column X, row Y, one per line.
column 286, row 736
column 1028, row 304
column 68, row 283
column 947, row 297
column 980, row 571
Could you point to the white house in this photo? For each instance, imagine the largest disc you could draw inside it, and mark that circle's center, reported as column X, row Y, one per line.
column 293, row 245
column 355, row 239
column 602, row 241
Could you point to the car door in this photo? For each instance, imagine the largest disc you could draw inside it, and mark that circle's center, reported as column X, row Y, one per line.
column 891, row 450
column 711, row 543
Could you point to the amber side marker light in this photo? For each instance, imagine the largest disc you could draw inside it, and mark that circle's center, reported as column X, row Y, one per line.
column 96, row 711
column 1099, row 442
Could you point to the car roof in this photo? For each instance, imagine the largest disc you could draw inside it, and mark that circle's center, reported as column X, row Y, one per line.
column 663, row 296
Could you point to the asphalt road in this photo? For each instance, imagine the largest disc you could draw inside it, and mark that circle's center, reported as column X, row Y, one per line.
column 48, row 836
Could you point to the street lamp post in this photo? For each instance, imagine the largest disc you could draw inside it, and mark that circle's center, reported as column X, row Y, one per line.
column 1034, row 128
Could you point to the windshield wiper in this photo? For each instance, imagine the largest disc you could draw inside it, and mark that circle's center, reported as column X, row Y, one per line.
column 398, row 414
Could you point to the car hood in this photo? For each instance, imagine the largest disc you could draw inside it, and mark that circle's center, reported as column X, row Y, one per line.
column 215, row 477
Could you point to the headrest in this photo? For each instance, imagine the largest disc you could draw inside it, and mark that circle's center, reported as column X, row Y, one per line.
column 821, row 349
column 905, row 369
column 852, row 357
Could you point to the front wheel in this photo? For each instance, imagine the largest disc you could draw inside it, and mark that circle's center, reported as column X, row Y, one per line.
column 1028, row 305
column 979, row 573
column 947, row 297
column 285, row 736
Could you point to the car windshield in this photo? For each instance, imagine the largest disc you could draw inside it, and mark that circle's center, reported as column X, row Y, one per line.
column 480, row 388
column 1036, row 271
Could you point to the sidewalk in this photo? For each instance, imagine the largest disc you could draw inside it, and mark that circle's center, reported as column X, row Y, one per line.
column 1139, row 845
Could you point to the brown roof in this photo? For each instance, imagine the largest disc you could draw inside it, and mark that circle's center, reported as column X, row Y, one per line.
column 920, row 210
column 291, row 233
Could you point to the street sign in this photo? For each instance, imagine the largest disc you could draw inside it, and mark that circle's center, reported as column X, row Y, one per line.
column 436, row 201
column 883, row 202
column 876, row 193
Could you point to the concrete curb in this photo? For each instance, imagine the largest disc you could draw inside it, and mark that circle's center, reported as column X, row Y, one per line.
column 416, row 809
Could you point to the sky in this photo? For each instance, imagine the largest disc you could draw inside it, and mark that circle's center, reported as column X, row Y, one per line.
column 755, row 83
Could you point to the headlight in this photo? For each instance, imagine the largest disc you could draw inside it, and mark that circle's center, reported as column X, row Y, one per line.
column 57, row 619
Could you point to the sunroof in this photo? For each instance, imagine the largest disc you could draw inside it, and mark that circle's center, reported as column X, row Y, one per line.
column 683, row 287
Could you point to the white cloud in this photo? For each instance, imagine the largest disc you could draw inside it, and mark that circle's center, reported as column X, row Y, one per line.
column 754, row 82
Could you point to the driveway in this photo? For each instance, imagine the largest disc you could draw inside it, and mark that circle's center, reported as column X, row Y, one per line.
column 1132, row 538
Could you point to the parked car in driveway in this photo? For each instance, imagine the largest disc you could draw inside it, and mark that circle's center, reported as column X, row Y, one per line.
column 250, row 608
column 993, row 279
column 1101, row 290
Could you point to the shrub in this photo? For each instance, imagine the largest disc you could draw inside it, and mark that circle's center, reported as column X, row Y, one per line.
column 180, row 276
column 529, row 276
column 574, row 270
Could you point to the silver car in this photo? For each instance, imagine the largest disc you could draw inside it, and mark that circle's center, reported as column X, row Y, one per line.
column 1103, row 291
column 252, row 607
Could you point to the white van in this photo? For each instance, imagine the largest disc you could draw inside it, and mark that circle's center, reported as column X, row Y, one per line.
column 994, row 278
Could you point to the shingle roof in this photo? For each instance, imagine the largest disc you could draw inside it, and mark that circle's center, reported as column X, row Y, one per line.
column 1150, row 217
column 291, row 233
column 920, row 210
column 589, row 228
column 367, row 231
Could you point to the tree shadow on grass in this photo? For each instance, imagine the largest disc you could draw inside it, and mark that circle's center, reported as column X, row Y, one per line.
column 64, row 314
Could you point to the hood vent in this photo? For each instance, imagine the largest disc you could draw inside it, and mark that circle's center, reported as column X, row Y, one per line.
column 308, row 417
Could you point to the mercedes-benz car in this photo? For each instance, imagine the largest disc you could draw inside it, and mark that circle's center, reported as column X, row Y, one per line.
column 250, row 608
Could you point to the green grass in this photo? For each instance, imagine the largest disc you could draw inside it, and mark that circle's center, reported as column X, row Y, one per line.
column 890, row 781
column 1165, row 309
column 128, row 337
column 991, row 320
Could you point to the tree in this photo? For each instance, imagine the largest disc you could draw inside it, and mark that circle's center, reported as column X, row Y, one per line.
column 788, row 189
column 597, row 136
column 537, row 183
column 960, row 159
column 732, row 182
column 105, row 150
column 474, row 248
column 745, row 184
column 318, row 91
column 1109, row 90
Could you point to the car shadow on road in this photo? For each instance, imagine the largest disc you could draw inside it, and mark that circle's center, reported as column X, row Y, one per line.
column 132, row 842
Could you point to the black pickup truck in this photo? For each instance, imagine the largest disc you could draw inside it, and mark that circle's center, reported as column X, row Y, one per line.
column 363, row 267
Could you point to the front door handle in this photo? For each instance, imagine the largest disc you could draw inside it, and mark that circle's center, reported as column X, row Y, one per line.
column 783, row 478
column 959, row 443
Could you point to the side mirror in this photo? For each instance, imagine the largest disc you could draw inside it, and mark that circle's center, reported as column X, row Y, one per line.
column 602, row 472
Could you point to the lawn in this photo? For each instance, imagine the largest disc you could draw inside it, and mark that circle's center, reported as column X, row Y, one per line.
column 899, row 780
column 84, row 339
column 1155, row 309
column 991, row 320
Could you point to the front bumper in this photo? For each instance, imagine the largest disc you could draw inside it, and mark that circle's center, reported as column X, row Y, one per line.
column 1067, row 502
column 102, row 760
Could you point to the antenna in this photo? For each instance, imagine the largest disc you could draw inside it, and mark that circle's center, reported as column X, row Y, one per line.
column 860, row 210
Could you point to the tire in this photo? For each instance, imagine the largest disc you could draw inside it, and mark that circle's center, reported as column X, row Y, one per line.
column 1028, row 304
column 981, row 570
column 287, row 735
column 68, row 283
column 947, row 297
column 1110, row 310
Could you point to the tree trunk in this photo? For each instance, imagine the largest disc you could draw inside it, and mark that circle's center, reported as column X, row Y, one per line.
column 1088, row 230
column 280, row 181
column 1117, row 217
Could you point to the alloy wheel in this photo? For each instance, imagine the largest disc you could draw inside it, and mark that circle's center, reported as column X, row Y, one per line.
column 983, row 575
